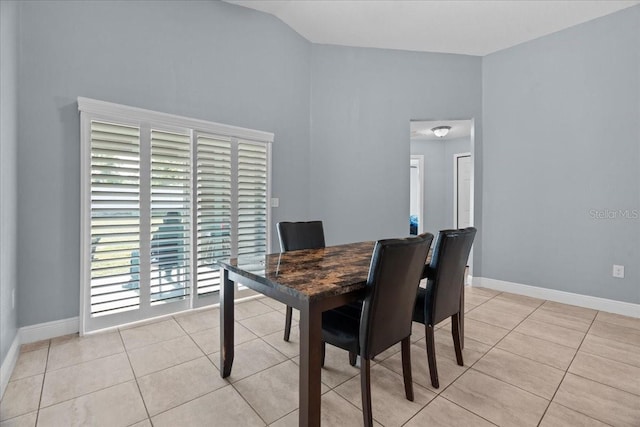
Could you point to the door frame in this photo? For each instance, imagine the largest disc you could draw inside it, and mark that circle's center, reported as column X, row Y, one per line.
column 473, row 153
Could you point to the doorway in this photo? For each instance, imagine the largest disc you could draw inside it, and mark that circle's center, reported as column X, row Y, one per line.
column 445, row 175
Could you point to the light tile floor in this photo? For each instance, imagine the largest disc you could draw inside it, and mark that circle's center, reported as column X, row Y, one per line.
column 528, row 362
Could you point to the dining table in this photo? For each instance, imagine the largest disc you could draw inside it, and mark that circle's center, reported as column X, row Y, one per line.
column 310, row 280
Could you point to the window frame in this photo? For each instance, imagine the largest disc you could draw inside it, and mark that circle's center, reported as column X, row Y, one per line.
column 146, row 120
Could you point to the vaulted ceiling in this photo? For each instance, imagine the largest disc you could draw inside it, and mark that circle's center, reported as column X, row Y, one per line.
column 464, row 27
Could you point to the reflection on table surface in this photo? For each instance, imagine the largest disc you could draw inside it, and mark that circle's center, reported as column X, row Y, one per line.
column 309, row 273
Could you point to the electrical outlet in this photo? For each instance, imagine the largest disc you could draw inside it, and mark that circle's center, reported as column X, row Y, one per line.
column 618, row 271
column 275, row 202
column 13, row 298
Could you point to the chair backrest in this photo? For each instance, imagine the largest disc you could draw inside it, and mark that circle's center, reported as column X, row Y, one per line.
column 300, row 235
column 448, row 263
column 392, row 284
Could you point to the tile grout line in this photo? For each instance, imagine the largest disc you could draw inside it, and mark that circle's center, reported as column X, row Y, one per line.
column 617, row 324
column 567, row 371
column 86, row 361
column 11, row 380
column 609, row 359
column 288, row 359
column 272, row 309
column 612, row 339
column 415, row 384
column 460, row 406
column 86, row 393
column 182, row 363
column 185, row 402
column 46, row 364
column 135, row 377
column 297, row 365
column 603, row 384
column 229, row 383
column 246, row 401
column 439, row 393
column 534, row 360
column 350, row 402
column 192, row 340
column 585, row 415
column 495, row 346
column 330, row 388
column 83, row 394
column 543, row 339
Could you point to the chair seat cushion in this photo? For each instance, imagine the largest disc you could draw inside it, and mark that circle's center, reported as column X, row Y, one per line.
column 341, row 328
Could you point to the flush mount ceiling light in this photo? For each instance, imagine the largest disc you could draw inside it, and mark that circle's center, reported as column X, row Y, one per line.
column 441, row 131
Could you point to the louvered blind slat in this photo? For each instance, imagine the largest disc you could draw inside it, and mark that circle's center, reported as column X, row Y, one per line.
column 164, row 198
column 252, row 201
column 115, row 215
column 170, row 216
column 213, row 181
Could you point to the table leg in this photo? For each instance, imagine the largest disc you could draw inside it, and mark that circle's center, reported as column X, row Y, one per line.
column 310, row 365
column 226, row 323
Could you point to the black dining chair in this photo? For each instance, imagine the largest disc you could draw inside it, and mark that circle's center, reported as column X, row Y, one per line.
column 442, row 297
column 385, row 315
column 294, row 236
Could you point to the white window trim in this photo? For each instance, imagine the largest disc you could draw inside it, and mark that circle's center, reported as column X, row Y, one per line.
column 91, row 109
column 125, row 112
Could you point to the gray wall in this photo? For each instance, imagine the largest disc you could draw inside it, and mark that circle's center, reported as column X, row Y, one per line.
column 438, row 179
column 8, row 174
column 562, row 114
column 208, row 60
column 362, row 101
column 562, row 138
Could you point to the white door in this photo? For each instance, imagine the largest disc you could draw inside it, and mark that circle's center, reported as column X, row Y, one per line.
column 463, row 191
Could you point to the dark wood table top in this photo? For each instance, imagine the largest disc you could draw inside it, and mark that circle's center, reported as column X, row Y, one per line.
column 309, row 274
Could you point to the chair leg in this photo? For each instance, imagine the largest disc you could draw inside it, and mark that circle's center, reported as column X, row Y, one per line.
column 287, row 323
column 324, row 350
column 457, row 341
column 431, row 355
column 406, row 368
column 365, row 386
column 353, row 358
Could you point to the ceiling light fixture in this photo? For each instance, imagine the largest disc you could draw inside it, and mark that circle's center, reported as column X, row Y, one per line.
column 441, row 131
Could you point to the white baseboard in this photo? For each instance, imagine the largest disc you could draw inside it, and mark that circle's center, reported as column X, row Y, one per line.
column 596, row 303
column 9, row 363
column 44, row 331
column 56, row 328
column 29, row 334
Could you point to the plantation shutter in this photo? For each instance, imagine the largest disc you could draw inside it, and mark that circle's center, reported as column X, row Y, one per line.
column 115, row 217
column 163, row 198
column 214, row 200
column 252, row 199
column 170, row 216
